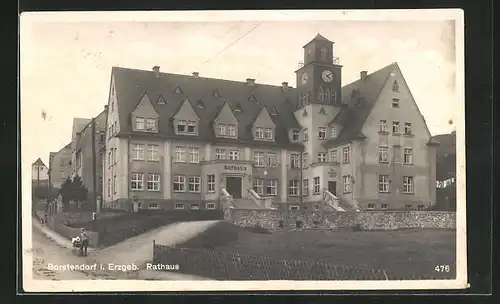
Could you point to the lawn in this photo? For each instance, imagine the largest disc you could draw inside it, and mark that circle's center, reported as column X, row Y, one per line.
column 406, row 253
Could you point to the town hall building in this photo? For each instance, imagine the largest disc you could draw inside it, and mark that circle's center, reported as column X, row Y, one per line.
column 186, row 141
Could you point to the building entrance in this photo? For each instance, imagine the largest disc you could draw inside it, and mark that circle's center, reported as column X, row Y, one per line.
column 233, row 186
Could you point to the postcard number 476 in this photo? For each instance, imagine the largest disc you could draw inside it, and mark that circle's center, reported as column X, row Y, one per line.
column 442, row 268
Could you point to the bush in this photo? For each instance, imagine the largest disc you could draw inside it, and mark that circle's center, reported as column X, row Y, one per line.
column 281, row 224
column 258, row 229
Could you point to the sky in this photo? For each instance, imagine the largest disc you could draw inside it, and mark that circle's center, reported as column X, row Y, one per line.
column 66, row 64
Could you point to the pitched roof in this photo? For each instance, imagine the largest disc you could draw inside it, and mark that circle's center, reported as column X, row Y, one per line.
column 318, row 38
column 39, row 162
column 132, row 84
column 100, row 126
column 359, row 98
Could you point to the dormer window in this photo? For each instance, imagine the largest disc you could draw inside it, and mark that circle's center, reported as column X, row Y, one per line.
column 140, row 123
column 295, row 135
column 181, row 126
column 222, row 129
column 191, row 127
column 268, row 133
column 259, row 133
column 151, row 124
column 231, row 130
column 333, row 132
column 306, row 134
column 395, row 86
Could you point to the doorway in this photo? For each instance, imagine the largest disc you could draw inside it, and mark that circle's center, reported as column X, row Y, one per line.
column 332, row 187
column 233, row 186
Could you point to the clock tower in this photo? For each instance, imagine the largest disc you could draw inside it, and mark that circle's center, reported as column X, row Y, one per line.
column 319, row 79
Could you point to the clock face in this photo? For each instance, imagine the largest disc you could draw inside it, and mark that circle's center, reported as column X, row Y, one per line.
column 327, row 76
column 305, row 77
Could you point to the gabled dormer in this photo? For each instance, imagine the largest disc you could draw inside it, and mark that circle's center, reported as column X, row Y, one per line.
column 225, row 125
column 144, row 116
column 185, row 120
column 263, row 127
column 294, row 135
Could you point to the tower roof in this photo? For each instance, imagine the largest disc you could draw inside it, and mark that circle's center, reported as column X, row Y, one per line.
column 318, row 38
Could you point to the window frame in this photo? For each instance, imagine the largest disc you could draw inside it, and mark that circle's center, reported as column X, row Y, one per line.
column 140, row 124
column 321, row 133
column 408, row 187
column 258, row 186
column 151, row 180
column 346, row 155
column 137, row 153
column 211, row 183
column 193, row 155
column 383, row 154
column 383, row 180
column 179, row 180
column 139, row 181
column 153, row 149
column 408, row 161
column 195, row 182
column 180, row 154
column 316, row 185
column 293, row 187
column 346, row 183
column 271, row 184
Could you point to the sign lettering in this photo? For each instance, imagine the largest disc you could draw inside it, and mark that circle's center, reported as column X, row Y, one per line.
column 235, row 168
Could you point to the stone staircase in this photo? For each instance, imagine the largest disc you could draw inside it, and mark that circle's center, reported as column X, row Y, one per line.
column 336, row 203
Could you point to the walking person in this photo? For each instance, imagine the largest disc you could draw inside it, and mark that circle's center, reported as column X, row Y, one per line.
column 84, row 239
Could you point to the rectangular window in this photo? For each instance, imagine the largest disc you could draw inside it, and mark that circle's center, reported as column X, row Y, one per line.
column 385, row 206
column 151, row 124
column 321, row 133
column 421, row 207
column 305, row 160
column 258, row 186
column 305, row 187
column 194, row 155
column 210, row 206
column 334, row 156
column 153, row 206
column 383, row 154
column 346, row 155
column 293, row 187
column 347, row 183
column 140, row 123
column 395, row 103
column 295, row 135
column 294, row 208
column 231, row 130
column 153, row 182
column 408, row 156
column 136, row 181
column 179, row 206
column 395, row 127
column 316, row 185
column 321, row 157
column 271, row 187
column 371, row 206
column 109, row 187
column 191, row 127
column 220, row 154
column 222, row 129
column 114, row 184
column 272, row 160
column 194, row 206
column 407, row 184
column 333, row 132
column 268, row 132
column 383, row 183
column 153, row 153
column 306, row 134
column 180, row 154
column 138, row 152
column 179, row 183
column 211, row 183
column 234, row 155
column 110, row 160
column 383, row 126
column 194, row 183
column 259, row 133
column 114, row 156
column 181, row 126
column 407, row 128
column 258, row 158
column 294, row 160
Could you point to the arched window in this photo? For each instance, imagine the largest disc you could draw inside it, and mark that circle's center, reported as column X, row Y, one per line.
column 324, row 53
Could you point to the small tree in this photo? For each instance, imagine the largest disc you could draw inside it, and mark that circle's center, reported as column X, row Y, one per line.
column 73, row 190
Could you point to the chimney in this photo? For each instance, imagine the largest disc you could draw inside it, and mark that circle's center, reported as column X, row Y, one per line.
column 106, row 108
column 250, row 81
column 156, row 70
column 195, row 74
column 363, row 75
column 284, row 85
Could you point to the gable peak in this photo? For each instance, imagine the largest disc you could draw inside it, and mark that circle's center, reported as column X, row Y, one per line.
column 177, row 90
column 161, row 100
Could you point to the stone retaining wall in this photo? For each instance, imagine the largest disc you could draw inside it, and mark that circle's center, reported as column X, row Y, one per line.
column 366, row 220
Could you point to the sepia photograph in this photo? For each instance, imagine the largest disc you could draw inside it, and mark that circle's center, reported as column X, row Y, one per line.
column 243, row 150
